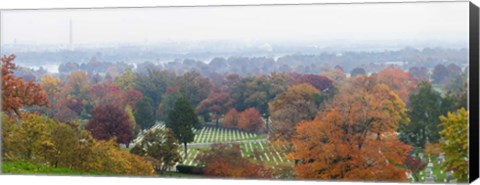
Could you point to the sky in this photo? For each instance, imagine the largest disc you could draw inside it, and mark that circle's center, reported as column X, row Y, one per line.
column 446, row 21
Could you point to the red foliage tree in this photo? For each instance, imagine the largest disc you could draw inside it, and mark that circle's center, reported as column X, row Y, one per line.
column 250, row 120
column 216, row 103
column 322, row 83
column 110, row 121
column 230, row 120
column 106, row 93
column 132, row 96
column 415, row 165
column 226, row 161
column 17, row 93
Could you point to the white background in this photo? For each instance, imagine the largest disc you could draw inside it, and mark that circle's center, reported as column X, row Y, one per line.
column 35, row 4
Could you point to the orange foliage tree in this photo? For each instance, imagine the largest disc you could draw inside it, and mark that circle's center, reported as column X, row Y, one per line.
column 353, row 137
column 226, row 161
column 17, row 93
column 399, row 81
column 230, row 120
column 297, row 103
column 250, row 120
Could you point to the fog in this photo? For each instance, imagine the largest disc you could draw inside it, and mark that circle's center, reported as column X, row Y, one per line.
column 446, row 21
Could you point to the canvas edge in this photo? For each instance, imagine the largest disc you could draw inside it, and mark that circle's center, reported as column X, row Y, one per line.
column 474, row 93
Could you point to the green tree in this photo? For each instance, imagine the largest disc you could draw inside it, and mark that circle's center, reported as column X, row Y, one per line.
column 131, row 119
column 182, row 119
column 457, row 91
column 261, row 90
column 167, row 103
column 194, row 87
column 454, row 143
column 154, row 85
column 144, row 113
column 161, row 145
column 426, row 106
column 126, row 80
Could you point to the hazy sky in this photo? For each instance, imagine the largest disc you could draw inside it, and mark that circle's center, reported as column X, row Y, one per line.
column 376, row 22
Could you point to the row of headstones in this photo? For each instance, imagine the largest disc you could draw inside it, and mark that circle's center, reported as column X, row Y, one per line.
column 139, row 137
column 440, row 158
column 213, row 134
column 192, row 154
column 275, row 156
column 429, row 176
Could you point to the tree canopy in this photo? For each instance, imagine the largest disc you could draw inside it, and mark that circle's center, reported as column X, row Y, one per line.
column 353, row 137
column 182, row 120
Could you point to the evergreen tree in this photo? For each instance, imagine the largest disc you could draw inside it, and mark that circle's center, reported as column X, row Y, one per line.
column 182, row 119
column 426, row 106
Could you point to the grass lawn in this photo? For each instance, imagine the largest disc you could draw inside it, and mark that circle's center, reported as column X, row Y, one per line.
column 177, row 174
column 18, row 167
column 436, row 170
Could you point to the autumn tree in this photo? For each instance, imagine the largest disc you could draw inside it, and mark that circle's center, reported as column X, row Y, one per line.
column 354, row 136
column 230, row 120
column 182, row 119
column 131, row 97
column 40, row 140
column 126, row 80
column 25, row 139
column 321, row 83
column 250, row 120
column 426, row 105
column 109, row 121
column 16, row 93
column 432, row 149
column 74, row 97
column 400, row 82
column 415, row 165
column 217, row 103
column 106, row 156
column 454, row 143
column 258, row 91
column 51, row 86
column 144, row 113
column 131, row 118
column 226, row 161
column 77, row 85
column 336, row 75
column 107, row 93
column 237, row 89
column 161, row 145
column 297, row 103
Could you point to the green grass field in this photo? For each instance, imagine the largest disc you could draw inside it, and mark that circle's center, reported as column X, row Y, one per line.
column 441, row 175
column 177, row 174
column 18, row 167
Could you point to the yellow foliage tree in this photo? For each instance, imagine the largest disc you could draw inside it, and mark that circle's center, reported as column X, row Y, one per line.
column 454, row 143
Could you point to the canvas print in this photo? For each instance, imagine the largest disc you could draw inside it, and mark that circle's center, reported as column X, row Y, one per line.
column 342, row 92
